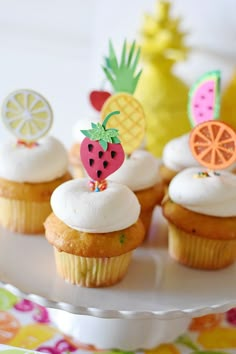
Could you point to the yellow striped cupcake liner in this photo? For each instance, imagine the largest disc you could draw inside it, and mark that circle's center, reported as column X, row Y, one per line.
column 199, row 252
column 91, row 272
column 23, row 216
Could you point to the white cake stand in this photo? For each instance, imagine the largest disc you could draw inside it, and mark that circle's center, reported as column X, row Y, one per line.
column 154, row 302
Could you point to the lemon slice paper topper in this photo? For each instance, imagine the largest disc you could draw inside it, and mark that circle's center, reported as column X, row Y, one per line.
column 123, row 78
column 27, row 114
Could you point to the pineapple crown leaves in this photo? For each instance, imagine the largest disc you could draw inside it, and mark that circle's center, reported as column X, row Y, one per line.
column 161, row 35
column 101, row 134
column 122, row 75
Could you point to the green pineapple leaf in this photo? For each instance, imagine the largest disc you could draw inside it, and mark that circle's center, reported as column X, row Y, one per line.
column 122, row 74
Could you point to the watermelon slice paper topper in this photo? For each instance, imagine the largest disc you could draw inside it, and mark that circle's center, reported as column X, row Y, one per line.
column 204, row 99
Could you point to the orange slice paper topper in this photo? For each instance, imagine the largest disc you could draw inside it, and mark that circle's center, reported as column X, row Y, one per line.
column 213, row 144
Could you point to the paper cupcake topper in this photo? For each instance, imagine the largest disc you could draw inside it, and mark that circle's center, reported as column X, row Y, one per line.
column 213, row 143
column 27, row 115
column 124, row 79
column 204, row 99
column 98, row 98
column 101, row 152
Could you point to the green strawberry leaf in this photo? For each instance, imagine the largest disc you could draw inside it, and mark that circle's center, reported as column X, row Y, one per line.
column 115, row 140
column 103, row 144
column 101, row 134
column 112, row 133
column 86, row 133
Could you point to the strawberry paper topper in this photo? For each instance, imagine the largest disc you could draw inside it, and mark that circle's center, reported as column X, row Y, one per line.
column 204, row 99
column 124, row 77
column 101, row 152
column 27, row 115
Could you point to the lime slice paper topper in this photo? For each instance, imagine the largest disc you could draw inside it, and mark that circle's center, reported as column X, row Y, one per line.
column 123, row 75
column 27, row 114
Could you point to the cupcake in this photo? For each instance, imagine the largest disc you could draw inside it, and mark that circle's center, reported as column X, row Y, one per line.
column 201, row 212
column 201, row 207
column 74, row 153
column 176, row 157
column 140, row 172
column 30, row 167
column 28, row 176
column 95, row 224
column 93, row 233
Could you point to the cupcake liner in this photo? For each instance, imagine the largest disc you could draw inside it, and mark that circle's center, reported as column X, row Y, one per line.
column 91, row 272
column 23, row 216
column 199, row 252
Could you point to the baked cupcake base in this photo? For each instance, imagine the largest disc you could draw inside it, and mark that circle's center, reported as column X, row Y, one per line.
column 148, row 199
column 200, row 241
column 92, row 259
column 25, row 206
column 199, row 252
column 23, row 216
column 167, row 174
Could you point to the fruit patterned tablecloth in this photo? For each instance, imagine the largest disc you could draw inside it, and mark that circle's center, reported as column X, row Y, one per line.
column 24, row 324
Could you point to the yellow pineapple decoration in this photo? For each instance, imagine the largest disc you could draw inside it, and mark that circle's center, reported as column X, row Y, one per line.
column 163, row 95
column 123, row 78
column 228, row 105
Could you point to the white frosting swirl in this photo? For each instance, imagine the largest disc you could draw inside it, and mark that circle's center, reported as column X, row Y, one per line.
column 82, row 124
column 113, row 209
column 139, row 171
column 177, row 154
column 214, row 195
column 42, row 163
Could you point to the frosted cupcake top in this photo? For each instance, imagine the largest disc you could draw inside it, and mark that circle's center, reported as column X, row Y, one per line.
column 211, row 194
column 42, row 163
column 113, row 209
column 177, row 154
column 139, row 171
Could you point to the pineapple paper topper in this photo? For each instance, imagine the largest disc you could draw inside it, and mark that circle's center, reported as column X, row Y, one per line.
column 213, row 143
column 123, row 78
column 27, row 115
column 101, row 152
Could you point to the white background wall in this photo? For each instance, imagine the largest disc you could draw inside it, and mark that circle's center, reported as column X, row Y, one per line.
column 56, row 47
